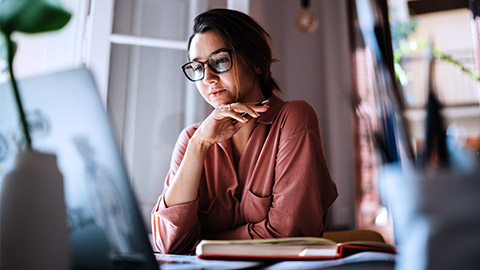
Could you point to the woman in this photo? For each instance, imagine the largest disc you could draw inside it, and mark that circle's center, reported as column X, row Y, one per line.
column 250, row 169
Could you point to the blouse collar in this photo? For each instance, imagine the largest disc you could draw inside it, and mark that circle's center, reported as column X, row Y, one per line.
column 276, row 105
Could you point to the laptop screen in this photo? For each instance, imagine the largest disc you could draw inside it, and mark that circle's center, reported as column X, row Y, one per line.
column 66, row 118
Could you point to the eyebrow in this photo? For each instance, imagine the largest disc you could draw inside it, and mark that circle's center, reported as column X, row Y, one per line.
column 214, row 52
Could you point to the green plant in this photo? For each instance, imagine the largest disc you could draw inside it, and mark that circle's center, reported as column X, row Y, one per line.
column 400, row 30
column 30, row 17
column 402, row 46
column 416, row 44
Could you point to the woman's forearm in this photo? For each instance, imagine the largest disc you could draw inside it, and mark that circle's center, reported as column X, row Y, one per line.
column 223, row 235
column 184, row 187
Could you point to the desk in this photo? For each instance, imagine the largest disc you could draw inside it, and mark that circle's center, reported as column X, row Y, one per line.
column 364, row 260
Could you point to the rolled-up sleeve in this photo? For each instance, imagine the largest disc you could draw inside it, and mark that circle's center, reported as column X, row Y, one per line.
column 175, row 229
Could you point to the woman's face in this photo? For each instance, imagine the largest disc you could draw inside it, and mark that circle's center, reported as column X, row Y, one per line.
column 220, row 89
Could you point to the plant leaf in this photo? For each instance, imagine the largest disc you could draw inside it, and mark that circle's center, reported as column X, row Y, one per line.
column 8, row 11
column 31, row 16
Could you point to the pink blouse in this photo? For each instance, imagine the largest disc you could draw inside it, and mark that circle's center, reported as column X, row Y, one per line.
column 282, row 186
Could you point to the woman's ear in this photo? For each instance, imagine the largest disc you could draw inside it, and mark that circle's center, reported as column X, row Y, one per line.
column 258, row 71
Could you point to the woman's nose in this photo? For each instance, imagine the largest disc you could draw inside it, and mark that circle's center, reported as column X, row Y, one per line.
column 210, row 76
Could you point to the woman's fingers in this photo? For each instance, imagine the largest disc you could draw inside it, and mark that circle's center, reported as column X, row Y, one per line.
column 251, row 109
column 228, row 111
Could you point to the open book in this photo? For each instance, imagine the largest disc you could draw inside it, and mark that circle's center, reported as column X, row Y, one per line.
column 303, row 248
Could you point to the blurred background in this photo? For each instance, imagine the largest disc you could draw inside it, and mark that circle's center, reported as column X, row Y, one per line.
column 135, row 49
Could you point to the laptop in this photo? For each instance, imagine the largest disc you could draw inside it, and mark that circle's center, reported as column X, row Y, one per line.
column 67, row 118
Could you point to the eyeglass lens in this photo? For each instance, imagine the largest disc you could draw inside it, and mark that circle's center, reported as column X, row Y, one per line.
column 218, row 62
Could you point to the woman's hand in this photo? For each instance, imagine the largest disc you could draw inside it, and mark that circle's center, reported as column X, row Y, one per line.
column 226, row 120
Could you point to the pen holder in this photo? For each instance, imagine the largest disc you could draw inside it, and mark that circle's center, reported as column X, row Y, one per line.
column 436, row 217
column 33, row 221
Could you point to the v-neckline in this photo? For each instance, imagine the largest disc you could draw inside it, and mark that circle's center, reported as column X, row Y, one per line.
column 237, row 162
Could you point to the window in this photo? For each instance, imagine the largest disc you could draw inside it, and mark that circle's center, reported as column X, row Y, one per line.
column 145, row 92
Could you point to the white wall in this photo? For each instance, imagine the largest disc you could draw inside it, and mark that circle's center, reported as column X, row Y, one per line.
column 315, row 67
column 30, row 56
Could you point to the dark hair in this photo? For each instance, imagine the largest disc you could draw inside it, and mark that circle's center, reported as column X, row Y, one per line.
column 245, row 37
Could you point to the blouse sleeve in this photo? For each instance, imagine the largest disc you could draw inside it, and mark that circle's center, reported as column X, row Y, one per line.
column 303, row 189
column 175, row 229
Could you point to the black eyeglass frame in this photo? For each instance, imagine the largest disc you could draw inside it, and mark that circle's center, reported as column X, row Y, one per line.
column 208, row 64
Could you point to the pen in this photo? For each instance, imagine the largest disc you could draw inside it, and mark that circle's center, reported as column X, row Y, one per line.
column 258, row 104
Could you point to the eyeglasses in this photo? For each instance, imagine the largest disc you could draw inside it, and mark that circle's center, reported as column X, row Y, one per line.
column 218, row 62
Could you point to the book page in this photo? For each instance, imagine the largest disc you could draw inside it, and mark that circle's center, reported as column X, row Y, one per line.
column 276, row 241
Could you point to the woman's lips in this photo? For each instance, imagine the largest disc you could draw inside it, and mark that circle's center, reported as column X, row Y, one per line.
column 216, row 93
